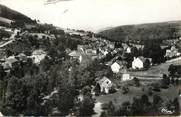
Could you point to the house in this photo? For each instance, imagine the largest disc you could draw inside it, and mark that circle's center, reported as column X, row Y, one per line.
column 22, row 57
column 105, row 84
column 105, row 52
column 9, row 63
column 116, row 66
column 91, row 52
column 172, row 52
column 111, row 45
column 76, row 55
column 80, row 48
column 38, row 56
column 128, row 50
column 138, row 63
column 126, row 47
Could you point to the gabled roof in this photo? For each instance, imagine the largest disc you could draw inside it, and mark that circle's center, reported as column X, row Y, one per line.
column 11, row 59
column 116, row 64
column 74, row 54
column 38, row 52
column 21, row 55
column 142, row 59
column 103, row 79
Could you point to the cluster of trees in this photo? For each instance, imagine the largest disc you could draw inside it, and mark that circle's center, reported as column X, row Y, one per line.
column 25, row 86
column 174, row 70
column 153, row 50
column 3, row 33
column 25, row 91
column 20, row 46
column 143, row 107
column 166, row 81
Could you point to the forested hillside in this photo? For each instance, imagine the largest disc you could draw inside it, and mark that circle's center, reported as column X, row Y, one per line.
column 159, row 31
column 10, row 14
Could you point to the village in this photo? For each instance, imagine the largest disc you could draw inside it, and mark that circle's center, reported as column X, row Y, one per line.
column 130, row 71
column 46, row 70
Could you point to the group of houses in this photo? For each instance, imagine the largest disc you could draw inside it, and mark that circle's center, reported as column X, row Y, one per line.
column 98, row 48
column 172, row 52
column 9, row 62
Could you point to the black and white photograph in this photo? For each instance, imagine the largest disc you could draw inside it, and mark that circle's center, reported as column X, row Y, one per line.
column 90, row 58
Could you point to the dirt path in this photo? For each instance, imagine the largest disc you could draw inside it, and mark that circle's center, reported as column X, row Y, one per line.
column 1, row 114
column 173, row 60
column 97, row 109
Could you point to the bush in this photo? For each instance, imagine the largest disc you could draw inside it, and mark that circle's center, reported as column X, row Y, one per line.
column 112, row 90
column 164, row 87
column 150, row 92
column 156, row 87
column 105, row 106
column 125, row 89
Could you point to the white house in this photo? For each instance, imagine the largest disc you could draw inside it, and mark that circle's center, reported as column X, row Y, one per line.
column 138, row 63
column 105, row 53
column 115, row 67
column 105, row 84
column 128, row 50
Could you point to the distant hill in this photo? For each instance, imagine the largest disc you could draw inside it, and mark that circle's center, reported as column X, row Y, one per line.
column 7, row 15
column 142, row 32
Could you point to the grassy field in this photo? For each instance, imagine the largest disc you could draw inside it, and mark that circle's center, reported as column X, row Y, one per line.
column 118, row 98
column 158, row 70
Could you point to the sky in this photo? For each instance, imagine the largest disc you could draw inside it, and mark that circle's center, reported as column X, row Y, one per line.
column 95, row 15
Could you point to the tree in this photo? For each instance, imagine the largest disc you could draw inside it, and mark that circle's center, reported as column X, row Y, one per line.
column 177, row 81
column 129, row 59
column 16, row 96
column 134, row 52
column 177, row 106
column 156, row 87
column 86, row 107
column 125, row 89
column 2, row 73
column 165, row 81
column 150, row 92
column 172, row 69
column 153, row 50
column 136, row 82
column 145, row 99
column 157, row 100
column 66, row 99
column 137, row 107
column 172, row 81
column 147, row 63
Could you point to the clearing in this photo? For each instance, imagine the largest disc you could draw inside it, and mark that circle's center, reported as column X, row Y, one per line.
column 118, row 98
column 158, row 70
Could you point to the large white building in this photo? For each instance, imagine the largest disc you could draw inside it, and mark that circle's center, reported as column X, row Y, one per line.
column 115, row 67
column 137, row 63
